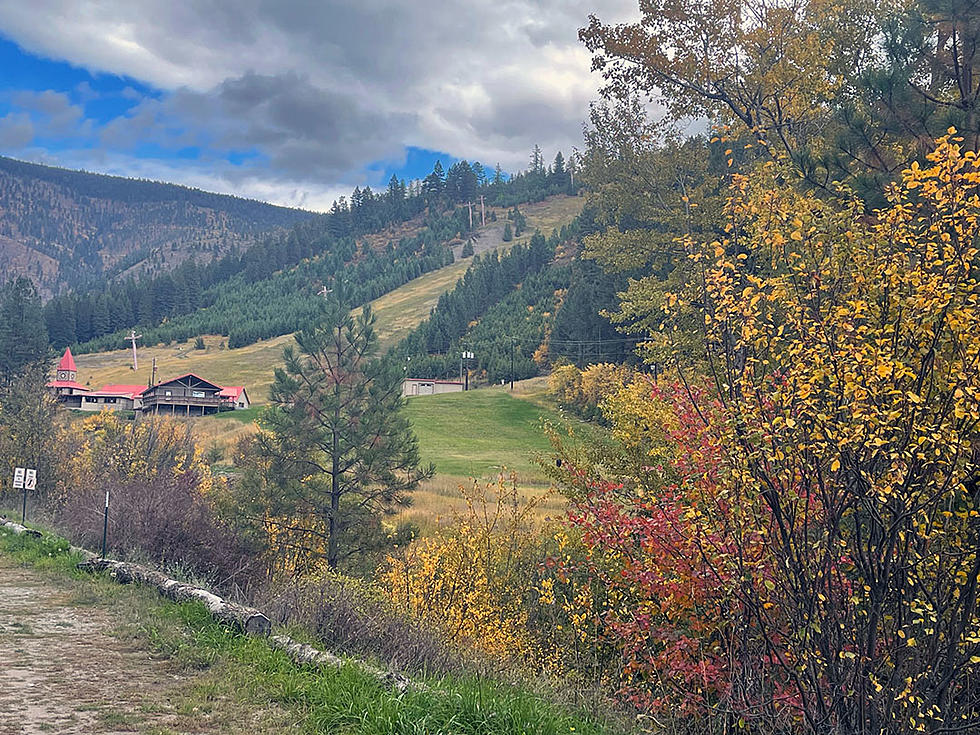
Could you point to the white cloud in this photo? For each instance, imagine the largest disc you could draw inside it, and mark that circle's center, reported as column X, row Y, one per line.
column 324, row 88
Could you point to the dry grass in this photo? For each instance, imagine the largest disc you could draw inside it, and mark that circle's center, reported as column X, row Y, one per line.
column 437, row 499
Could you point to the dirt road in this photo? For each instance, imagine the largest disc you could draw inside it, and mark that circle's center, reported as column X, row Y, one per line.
column 69, row 665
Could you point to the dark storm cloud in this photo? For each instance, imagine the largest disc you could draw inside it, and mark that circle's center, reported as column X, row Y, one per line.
column 305, row 131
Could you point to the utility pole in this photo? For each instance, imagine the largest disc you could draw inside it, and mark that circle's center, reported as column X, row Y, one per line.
column 153, row 374
column 483, row 212
column 133, row 337
column 512, row 363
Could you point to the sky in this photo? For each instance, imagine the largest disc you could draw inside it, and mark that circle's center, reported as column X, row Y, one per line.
column 293, row 101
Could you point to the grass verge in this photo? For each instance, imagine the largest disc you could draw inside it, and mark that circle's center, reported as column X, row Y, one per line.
column 243, row 674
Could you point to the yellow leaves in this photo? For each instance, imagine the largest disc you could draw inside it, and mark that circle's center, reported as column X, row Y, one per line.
column 468, row 579
column 835, row 465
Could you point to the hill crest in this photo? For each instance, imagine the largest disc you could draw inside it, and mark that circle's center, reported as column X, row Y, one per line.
column 63, row 228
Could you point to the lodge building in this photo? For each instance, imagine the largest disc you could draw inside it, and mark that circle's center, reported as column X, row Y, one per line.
column 186, row 395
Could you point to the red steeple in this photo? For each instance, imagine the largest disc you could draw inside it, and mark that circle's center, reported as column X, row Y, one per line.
column 67, row 362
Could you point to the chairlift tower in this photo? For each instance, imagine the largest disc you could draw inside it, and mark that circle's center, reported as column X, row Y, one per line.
column 132, row 338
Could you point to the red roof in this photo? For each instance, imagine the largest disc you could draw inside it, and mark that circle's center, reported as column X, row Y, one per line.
column 232, row 392
column 67, row 384
column 130, row 391
column 67, row 361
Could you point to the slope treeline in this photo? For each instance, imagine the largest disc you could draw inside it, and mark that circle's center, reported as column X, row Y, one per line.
column 465, row 318
column 280, row 271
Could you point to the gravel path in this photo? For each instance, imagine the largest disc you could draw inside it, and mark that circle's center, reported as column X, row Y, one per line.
column 70, row 665
column 60, row 671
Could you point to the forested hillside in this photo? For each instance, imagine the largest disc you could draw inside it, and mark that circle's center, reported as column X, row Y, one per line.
column 64, row 228
column 367, row 245
column 521, row 312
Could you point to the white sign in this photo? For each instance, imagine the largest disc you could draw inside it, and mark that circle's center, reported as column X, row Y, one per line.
column 468, row 355
column 18, row 478
column 30, row 480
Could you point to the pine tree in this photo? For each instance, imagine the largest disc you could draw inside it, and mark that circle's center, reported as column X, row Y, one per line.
column 537, row 160
column 341, row 453
column 433, row 184
column 23, row 332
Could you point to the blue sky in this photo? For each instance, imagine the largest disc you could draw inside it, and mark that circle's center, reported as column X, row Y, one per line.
column 291, row 102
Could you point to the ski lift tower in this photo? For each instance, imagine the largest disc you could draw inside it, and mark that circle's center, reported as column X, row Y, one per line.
column 132, row 338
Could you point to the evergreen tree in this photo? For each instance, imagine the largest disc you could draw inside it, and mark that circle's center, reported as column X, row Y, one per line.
column 433, row 185
column 537, row 160
column 101, row 323
column 23, row 332
column 341, row 453
column 558, row 167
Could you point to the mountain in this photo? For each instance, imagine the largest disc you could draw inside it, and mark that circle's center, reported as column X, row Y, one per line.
column 65, row 228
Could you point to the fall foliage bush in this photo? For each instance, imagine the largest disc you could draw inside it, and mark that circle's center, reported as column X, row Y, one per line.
column 795, row 544
column 583, row 391
column 473, row 579
column 162, row 495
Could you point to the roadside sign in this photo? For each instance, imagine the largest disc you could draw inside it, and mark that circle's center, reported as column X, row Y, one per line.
column 30, row 479
column 18, row 478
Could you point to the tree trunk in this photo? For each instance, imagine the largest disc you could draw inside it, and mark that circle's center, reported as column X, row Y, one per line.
column 333, row 547
column 245, row 619
column 305, row 655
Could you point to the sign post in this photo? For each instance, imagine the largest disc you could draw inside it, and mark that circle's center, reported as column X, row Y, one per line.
column 105, row 523
column 19, row 485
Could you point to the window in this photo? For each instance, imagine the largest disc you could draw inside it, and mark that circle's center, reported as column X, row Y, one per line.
column 167, row 393
column 90, row 399
column 197, row 393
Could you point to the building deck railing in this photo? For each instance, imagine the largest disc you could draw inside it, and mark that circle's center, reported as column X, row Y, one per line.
column 207, row 401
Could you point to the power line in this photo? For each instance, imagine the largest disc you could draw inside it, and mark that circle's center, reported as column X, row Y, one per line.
column 534, row 342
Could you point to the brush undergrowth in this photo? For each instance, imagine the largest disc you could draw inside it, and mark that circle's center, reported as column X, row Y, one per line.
column 319, row 701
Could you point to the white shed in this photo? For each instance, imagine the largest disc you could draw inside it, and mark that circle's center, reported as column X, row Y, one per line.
column 429, row 387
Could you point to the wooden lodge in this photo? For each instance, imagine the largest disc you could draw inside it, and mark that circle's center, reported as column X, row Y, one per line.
column 188, row 394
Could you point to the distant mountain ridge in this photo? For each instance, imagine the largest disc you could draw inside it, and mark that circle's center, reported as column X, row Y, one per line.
column 63, row 228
